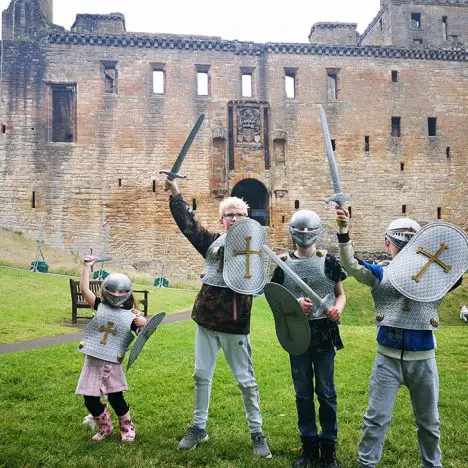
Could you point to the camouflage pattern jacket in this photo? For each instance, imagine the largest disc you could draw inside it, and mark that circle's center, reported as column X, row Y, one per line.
column 215, row 308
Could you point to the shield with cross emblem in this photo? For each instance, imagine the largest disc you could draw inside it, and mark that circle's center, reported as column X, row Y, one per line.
column 245, row 265
column 431, row 263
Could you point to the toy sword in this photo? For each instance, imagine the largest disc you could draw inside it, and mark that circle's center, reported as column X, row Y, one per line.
column 321, row 305
column 338, row 197
column 174, row 172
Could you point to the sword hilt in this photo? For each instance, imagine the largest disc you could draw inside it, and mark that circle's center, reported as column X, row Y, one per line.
column 326, row 303
column 172, row 175
column 339, row 198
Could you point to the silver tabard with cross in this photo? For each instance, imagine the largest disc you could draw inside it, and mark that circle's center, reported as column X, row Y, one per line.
column 245, row 266
column 108, row 334
column 431, row 263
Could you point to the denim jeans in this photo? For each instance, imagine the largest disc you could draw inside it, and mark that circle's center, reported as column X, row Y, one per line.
column 318, row 366
column 237, row 353
column 422, row 380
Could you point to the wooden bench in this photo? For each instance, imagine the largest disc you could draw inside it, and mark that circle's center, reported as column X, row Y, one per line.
column 78, row 301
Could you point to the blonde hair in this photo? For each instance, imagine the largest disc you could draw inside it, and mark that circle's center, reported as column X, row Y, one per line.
column 234, row 202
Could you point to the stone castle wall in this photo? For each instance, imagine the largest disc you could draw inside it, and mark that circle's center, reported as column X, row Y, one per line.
column 103, row 190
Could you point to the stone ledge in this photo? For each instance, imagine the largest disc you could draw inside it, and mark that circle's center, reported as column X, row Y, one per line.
column 249, row 48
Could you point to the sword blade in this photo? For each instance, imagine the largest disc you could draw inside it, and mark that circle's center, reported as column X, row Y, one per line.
column 180, row 158
column 330, row 153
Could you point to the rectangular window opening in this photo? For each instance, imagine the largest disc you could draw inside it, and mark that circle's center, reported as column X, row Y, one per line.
column 403, row 209
column 366, row 143
column 3, row 128
column 444, row 28
column 154, row 186
column 332, row 84
column 194, row 204
column 282, row 219
column 333, row 143
column 158, row 81
column 416, row 20
column 110, row 79
column 33, row 199
column 350, row 212
column 202, row 83
column 396, row 126
column 394, row 76
column 120, row 182
column 417, row 41
column 432, row 126
column 447, row 152
column 439, row 212
column 402, row 166
column 296, row 204
column 246, row 84
column 63, row 113
column 290, row 84
column 380, row 24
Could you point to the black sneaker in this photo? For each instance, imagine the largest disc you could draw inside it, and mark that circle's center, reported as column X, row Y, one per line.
column 260, row 445
column 193, row 436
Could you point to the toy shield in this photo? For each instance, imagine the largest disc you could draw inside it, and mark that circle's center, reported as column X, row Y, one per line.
column 143, row 337
column 245, row 265
column 291, row 323
column 431, row 263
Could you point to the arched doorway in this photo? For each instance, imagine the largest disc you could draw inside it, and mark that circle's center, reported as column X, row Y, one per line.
column 256, row 195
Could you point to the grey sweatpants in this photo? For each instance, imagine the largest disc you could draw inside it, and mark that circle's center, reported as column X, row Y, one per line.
column 237, row 352
column 422, row 380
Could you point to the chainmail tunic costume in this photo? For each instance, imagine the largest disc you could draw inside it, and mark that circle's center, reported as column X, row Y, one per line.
column 325, row 333
column 216, row 308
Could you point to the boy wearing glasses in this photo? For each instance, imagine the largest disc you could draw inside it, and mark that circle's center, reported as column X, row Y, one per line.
column 223, row 322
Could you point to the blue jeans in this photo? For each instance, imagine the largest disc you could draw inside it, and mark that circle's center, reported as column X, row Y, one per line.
column 304, row 368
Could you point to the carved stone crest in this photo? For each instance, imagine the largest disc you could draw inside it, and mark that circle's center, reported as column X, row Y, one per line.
column 248, row 125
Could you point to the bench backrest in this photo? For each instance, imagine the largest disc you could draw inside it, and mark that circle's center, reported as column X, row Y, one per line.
column 77, row 296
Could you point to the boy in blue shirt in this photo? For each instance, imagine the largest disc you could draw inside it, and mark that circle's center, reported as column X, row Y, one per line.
column 405, row 356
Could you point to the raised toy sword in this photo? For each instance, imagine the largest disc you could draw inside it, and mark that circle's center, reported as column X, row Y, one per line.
column 174, row 172
column 321, row 305
column 338, row 197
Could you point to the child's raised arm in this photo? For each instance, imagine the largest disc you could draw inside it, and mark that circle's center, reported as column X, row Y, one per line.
column 88, row 295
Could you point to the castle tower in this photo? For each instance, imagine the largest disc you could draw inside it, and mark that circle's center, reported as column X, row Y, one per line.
column 23, row 19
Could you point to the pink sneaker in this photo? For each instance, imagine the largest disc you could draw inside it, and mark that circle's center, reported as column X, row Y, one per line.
column 127, row 429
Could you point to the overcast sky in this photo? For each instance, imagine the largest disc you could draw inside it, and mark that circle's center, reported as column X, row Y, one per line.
column 244, row 20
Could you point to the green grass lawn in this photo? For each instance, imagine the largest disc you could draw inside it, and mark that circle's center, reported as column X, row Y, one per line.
column 37, row 305
column 41, row 423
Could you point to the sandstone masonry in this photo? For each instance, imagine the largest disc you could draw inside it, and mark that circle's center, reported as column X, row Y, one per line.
column 90, row 116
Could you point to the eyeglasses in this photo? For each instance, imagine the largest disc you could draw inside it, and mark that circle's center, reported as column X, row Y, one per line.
column 234, row 215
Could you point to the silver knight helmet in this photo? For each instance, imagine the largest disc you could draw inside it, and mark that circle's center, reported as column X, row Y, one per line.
column 113, row 283
column 304, row 227
column 400, row 231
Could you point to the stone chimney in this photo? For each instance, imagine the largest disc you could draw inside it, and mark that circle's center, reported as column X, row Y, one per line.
column 334, row 34
column 113, row 23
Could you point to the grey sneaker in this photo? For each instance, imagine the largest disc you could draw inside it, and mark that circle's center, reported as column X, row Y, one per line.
column 193, row 435
column 260, row 445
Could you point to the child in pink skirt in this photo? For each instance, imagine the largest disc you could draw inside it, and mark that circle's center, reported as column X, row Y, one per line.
column 106, row 339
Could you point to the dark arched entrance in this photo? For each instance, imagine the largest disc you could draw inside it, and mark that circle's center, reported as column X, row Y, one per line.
column 256, row 195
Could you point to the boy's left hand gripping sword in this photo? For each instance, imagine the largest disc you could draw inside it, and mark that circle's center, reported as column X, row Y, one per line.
column 174, row 172
column 338, row 197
